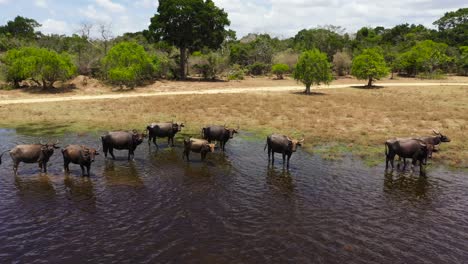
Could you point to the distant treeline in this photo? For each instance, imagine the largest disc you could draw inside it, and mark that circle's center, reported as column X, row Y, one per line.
column 202, row 46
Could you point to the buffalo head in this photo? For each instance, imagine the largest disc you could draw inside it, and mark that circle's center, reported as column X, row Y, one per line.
column 231, row 132
column 138, row 137
column 48, row 148
column 177, row 127
column 293, row 143
column 443, row 138
column 89, row 153
column 209, row 147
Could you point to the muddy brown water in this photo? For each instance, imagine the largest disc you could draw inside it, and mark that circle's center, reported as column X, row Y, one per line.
column 232, row 208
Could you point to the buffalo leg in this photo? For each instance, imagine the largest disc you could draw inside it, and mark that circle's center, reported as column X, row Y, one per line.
column 88, row 168
column 154, row 142
column 272, row 157
column 203, row 156
column 289, row 157
column 131, row 154
column 284, row 159
column 105, row 149
column 269, row 158
column 172, row 142
column 45, row 167
column 65, row 166
column 15, row 168
column 111, row 152
column 82, row 170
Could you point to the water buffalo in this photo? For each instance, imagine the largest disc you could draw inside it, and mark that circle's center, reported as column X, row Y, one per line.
column 80, row 155
column 415, row 149
column 198, row 146
column 435, row 140
column 218, row 133
column 121, row 140
column 33, row 153
column 281, row 144
column 162, row 130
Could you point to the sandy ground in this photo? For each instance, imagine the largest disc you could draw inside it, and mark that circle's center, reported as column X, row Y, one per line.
column 206, row 88
column 83, row 88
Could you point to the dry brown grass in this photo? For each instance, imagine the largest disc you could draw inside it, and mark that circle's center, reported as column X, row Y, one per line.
column 358, row 119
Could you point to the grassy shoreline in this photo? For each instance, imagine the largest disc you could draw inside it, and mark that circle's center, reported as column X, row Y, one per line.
column 334, row 121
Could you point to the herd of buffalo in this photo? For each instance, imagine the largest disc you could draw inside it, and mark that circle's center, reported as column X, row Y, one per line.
column 415, row 148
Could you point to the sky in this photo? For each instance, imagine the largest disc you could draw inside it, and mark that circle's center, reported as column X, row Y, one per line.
column 280, row 18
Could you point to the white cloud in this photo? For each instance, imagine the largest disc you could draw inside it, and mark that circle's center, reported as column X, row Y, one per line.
column 40, row 3
column 51, row 26
column 110, row 6
column 91, row 13
column 147, row 4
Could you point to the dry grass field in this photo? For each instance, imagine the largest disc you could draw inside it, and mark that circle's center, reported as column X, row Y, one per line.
column 334, row 121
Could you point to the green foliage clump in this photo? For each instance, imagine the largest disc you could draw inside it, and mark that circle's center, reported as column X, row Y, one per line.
column 425, row 56
column 342, row 63
column 463, row 60
column 369, row 65
column 279, row 69
column 313, row 67
column 42, row 66
column 236, row 73
column 127, row 63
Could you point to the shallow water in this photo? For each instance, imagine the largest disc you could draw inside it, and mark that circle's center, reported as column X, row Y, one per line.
column 231, row 208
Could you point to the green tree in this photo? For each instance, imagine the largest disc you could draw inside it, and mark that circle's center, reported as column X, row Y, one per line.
column 20, row 27
column 453, row 27
column 313, row 68
column 127, row 63
column 369, row 65
column 189, row 25
column 42, row 66
column 279, row 69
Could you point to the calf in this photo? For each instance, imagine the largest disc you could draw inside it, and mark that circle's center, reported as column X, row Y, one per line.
column 80, row 155
column 198, row 146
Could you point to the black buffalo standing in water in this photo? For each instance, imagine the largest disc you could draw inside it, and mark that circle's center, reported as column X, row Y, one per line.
column 80, row 155
column 281, row 144
column 121, row 140
column 218, row 133
column 34, row 153
column 162, row 130
column 435, row 140
column 415, row 149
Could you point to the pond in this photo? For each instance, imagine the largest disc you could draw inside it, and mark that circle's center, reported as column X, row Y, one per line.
column 232, row 208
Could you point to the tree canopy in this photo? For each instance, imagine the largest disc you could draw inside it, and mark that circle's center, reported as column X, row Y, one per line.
column 189, row 25
column 20, row 27
column 42, row 66
column 312, row 68
column 369, row 65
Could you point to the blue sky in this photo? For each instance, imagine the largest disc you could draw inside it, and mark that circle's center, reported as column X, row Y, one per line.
column 281, row 18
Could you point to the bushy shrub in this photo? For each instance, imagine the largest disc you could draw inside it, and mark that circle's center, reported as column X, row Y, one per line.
column 258, row 68
column 42, row 66
column 127, row 63
column 436, row 75
column 210, row 65
column 342, row 63
column 236, row 73
column 288, row 57
column 280, row 69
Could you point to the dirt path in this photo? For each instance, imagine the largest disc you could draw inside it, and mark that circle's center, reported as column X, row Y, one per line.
column 211, row 91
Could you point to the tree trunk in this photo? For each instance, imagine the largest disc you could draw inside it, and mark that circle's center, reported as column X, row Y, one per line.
column 44, row 84
column 307, row 90
column 183, row 55
column 369, row 84
column 391, row 76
